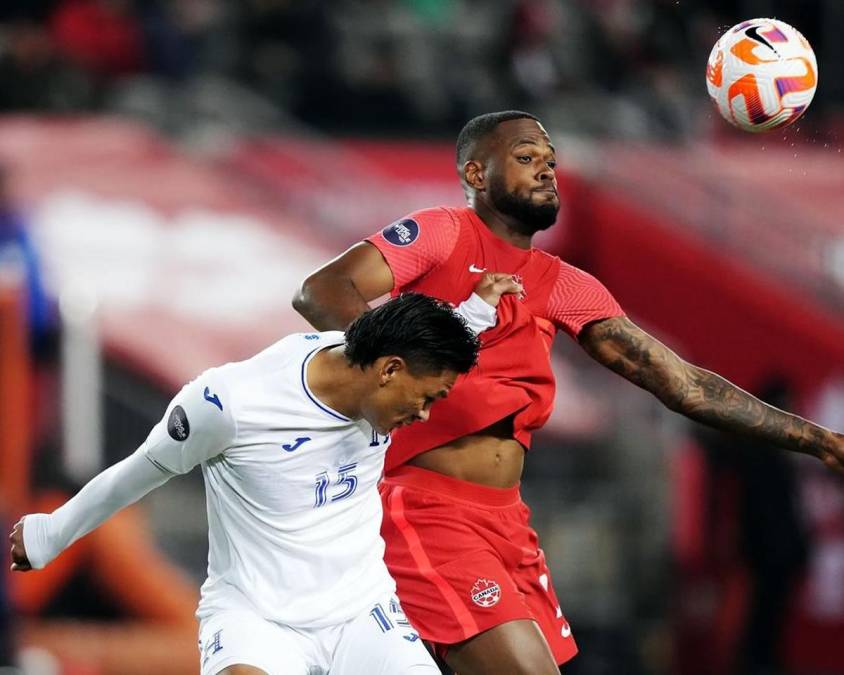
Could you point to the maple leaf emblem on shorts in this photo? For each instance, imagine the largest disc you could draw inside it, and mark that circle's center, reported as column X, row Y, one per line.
column 486, row 592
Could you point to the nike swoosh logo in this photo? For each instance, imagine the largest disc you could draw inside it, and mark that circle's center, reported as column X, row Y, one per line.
column 476, row 270
column 290, row 447
column 753, row 34
column 212, row 398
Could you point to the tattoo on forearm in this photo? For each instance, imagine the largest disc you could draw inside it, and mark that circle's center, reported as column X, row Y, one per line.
column 721, row 404
column 697, row 393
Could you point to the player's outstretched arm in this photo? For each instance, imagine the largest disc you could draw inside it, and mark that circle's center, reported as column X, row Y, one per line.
column 39, row 537
column 197, row 426
column 334, row 295
column 702, row 395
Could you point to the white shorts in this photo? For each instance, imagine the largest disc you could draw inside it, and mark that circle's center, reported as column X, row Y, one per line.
column 380, row 641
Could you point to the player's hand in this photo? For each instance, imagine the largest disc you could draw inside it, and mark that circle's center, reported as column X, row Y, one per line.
column 832, row 454
column 494, row 284
column 20, row 563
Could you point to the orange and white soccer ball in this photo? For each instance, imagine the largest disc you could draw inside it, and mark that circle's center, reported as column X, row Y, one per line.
column 762, row 75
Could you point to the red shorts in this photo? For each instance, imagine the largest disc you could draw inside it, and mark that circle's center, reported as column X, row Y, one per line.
column 465, row 559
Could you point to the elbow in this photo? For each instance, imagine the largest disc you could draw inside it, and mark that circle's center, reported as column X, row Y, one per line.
column 681, row 393
column 302, row 298
column 299, row 300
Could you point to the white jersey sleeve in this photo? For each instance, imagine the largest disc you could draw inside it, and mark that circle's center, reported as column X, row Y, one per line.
column 47, row 535
column 197, row 426
column 478, row 313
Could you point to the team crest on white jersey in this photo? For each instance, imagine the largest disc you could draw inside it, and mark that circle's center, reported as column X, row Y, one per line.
column 486, row 592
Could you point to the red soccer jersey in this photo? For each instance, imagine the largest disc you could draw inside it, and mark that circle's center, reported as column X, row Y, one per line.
column 441, row 252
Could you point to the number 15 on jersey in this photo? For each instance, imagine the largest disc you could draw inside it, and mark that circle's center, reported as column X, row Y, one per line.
column 342, row 487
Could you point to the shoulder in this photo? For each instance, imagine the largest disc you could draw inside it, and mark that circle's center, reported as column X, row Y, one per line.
column 543, row 257
column 291, row 347
column 547, row 267
column 206, row 402
column 198, row 424
column 570, row 281
column 421, row 225
column 437, row 215
column 563, row 272
column 244, row 380
column 578, row 298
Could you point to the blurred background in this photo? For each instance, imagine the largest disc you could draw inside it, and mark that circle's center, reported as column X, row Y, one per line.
column 169, row 171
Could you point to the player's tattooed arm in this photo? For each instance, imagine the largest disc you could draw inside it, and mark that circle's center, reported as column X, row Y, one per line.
column 702, row 395
column 334, row 295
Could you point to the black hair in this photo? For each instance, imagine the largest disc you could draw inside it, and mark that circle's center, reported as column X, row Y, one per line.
column 427, row 333
column 479, row 127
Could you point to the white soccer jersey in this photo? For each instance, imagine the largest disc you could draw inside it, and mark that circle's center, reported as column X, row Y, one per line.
column 293, row 511
column 293, row 508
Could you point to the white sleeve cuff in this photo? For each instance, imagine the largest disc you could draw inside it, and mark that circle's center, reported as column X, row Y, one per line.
column 47, row 535
column 479, row 314
column 36, row 539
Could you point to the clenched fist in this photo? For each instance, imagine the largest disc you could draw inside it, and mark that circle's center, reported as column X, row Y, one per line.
column 20, row 563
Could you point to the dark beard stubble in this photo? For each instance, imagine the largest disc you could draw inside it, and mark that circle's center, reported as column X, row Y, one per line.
column 531, row 217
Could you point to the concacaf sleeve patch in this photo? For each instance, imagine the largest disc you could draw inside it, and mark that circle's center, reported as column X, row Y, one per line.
column 402, row 232
column 177, row 425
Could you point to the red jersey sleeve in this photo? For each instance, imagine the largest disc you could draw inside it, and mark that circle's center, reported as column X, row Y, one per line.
column 577, row 299
column 417, row 243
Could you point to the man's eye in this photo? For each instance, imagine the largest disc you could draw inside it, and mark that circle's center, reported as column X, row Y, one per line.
column 525, row 159
column 552, row 164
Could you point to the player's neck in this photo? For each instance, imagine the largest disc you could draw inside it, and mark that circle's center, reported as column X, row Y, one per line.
column 502, row 226
column 334, row 383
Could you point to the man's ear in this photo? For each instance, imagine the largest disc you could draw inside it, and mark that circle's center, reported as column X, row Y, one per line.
column 391, row 367
column 473, row 174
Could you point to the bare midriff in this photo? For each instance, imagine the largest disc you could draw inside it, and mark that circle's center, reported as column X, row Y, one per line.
column 490, row 457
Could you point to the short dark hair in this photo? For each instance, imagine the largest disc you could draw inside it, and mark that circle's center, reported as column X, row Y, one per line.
column 427, row 333
column 478, row 127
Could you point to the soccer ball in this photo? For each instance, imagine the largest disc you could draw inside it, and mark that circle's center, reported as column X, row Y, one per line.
column 762, row 75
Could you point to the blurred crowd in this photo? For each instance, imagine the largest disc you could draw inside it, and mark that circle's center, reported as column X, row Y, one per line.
column 382, row 66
